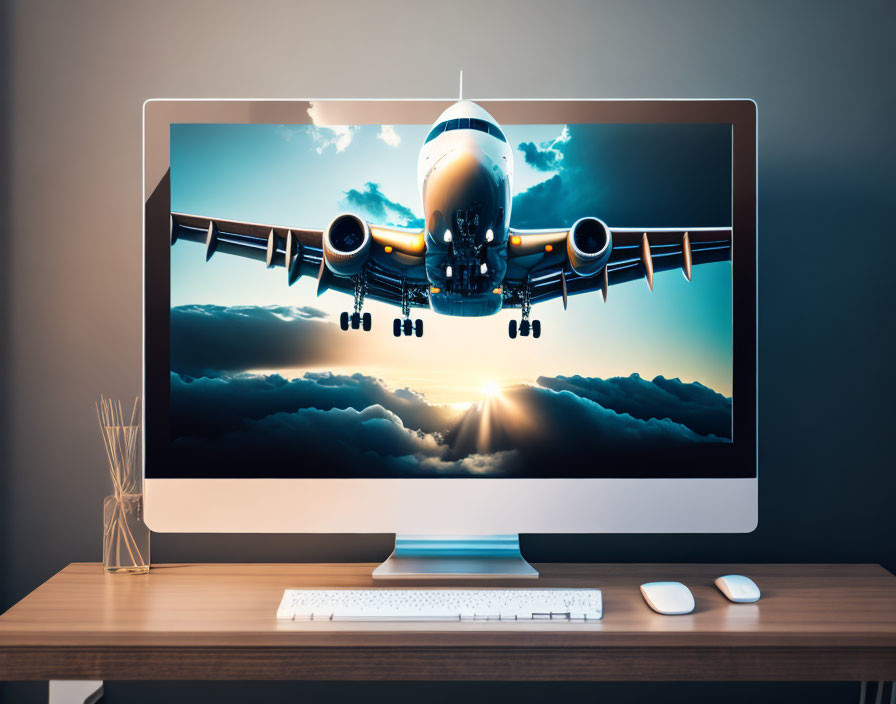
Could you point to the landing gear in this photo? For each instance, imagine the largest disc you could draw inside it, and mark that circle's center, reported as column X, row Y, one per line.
column 525, row 326
column 357, row 320
column 404, row 325
column 407, row 327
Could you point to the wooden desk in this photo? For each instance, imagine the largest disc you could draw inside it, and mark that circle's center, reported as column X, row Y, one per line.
column 216, row 621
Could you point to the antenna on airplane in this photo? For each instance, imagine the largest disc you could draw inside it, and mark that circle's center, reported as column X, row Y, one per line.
column 461, row 96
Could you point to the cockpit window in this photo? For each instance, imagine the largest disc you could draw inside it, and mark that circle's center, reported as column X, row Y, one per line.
column 466, row 123
column 478, row 124
column 436, row 131
column 495, row 132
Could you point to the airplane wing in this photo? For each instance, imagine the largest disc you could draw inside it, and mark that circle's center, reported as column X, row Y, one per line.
column 300, row 252
column 541, row 257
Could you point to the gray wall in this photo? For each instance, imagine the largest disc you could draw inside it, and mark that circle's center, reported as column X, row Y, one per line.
column 76, row 74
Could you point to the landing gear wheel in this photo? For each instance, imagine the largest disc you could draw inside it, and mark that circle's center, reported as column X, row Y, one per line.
column 356, row 321
column 396, row 327
column 536, row 328
column 511, row 329
column 408, row 327
column 418, row 328
column 366, row 322
column 524, row 328
column 343, row 321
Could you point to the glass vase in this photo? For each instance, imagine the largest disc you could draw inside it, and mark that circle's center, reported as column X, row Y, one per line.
column 125, row 535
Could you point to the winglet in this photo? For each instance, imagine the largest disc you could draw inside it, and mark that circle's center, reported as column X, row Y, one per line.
column 461, row 91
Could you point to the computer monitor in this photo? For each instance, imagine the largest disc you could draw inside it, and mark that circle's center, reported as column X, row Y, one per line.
column 428, row 317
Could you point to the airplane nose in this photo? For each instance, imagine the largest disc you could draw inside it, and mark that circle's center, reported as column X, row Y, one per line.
column 464, row 183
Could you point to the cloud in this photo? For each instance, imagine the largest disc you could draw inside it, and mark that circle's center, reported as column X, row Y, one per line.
column 559, row 429
column 546, row 156
column 323, row 136
column 608, row 171
column 325, row 424
column 540, row 159
column 693, row 405
column 288, row 133
column 210, row 405
column 530, row 206
column 388, row 134
column 373, row 202
column 564, row 137
column 209, row 340
column 314, row 443
column 338, row 136
column 229, row 425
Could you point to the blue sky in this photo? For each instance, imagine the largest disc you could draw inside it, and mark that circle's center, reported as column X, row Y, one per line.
column 628, row 175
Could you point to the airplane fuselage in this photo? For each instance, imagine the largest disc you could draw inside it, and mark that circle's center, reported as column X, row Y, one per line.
column 465, row 172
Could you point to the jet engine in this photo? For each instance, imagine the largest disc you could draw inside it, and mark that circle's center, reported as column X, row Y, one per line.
column 588, row 246
column 346, row 245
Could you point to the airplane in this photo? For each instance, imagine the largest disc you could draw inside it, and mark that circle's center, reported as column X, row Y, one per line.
column 467, row 260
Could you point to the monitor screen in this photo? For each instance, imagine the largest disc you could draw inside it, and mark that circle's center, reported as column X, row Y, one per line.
column 464, row 298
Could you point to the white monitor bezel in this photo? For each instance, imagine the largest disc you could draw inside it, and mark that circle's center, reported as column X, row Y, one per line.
column 422, row 506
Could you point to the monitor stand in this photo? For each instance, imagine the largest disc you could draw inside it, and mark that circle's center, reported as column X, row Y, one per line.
column 456, row 557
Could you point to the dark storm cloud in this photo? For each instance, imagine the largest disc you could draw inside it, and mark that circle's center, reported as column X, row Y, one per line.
column 208, row 340
column 373, row 202
column 208, row 406
column 548, row 426
column 540, row 159
column 299, row 428
column 693, row 405
column 346, row 436
column 682, row 171
column 335, row 425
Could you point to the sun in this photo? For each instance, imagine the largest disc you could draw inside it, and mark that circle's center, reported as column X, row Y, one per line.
column 490, row 388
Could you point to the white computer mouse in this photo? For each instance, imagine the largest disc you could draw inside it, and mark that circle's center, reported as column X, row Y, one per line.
column 669, row 598
column 738, row 588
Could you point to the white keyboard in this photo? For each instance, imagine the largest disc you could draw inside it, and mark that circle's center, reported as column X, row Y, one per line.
column 440, row 605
